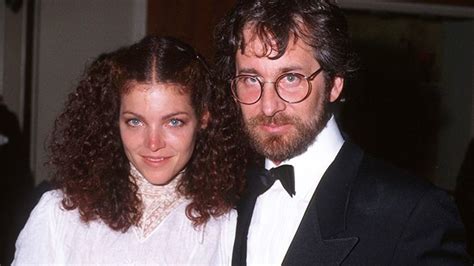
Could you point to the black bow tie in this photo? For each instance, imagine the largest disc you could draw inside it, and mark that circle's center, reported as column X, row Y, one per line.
column 284, row 173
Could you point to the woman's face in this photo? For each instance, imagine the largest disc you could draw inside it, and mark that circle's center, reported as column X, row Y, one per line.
column 158, row 128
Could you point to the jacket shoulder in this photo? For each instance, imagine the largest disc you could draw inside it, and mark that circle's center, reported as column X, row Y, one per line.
column 403, row 218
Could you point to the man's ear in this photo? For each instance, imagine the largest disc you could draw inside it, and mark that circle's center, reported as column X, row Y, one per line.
column 205, row 119
column 336, row 89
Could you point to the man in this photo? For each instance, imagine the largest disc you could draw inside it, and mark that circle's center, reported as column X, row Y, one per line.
column 286, row 61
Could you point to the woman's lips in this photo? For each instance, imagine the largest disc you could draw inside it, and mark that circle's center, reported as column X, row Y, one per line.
column 155, row 160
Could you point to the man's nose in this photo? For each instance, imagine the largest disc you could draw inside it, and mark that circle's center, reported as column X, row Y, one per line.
column 270, row 102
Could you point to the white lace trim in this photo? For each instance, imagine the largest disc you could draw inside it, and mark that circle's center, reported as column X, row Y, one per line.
column 158, row 202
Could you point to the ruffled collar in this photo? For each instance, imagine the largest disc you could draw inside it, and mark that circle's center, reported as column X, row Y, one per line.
column 158, row 202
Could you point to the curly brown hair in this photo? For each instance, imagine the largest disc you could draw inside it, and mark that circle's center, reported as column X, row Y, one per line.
column 321, row 24
column 87, row 154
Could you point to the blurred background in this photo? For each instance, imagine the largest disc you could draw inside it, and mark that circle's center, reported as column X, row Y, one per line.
column 411, row 102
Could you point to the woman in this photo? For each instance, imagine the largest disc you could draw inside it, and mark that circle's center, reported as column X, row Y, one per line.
column 146, row 165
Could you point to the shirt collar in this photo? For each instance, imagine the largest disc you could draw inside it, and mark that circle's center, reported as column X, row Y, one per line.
column 310, row 166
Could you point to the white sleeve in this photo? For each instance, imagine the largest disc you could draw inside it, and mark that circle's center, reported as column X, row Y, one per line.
column 226, row 242
column 38, row 240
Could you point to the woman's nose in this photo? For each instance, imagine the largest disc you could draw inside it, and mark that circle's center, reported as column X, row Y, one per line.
column 155, row 140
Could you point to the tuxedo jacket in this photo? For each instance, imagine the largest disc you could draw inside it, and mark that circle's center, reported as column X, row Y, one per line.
column 365, row 212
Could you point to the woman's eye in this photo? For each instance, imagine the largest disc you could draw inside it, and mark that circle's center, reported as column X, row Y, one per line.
column 175, row 122
column 134, row 122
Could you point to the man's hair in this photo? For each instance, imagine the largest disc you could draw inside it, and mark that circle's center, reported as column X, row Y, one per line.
column 87, row 153
column 319, row 23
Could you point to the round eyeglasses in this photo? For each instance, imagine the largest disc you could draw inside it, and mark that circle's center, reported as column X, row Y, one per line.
column 290, row 87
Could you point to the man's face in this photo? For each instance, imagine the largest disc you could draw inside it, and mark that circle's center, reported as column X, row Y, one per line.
column 277, row 129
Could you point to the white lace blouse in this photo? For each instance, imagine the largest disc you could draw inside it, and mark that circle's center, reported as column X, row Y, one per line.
column 164, row 236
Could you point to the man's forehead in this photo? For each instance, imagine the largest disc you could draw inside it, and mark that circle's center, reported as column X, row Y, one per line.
column 254, row 44
column 258, row 44
column 264, row 44
column 261, row 41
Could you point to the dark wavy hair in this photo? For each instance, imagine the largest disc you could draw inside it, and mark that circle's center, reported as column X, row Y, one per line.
column 86, row 150
column 319, row 23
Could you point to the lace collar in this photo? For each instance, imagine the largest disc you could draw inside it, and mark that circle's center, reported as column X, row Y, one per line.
column 158, row 202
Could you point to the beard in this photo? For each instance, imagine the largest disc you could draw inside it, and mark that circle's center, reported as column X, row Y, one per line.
column 280, row 147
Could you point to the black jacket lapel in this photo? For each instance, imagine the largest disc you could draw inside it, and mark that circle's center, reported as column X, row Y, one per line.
column 245, row 211
column 316, row 241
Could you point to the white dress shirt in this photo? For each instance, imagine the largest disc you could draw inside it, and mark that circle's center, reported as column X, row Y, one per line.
column 277, row 215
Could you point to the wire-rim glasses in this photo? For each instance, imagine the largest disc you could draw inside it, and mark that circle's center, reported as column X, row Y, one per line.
column 291, row 87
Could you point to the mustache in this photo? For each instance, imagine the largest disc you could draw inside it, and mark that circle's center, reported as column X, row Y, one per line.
column 280, row 119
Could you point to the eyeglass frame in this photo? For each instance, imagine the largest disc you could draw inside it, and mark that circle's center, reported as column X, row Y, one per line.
column 262, row 83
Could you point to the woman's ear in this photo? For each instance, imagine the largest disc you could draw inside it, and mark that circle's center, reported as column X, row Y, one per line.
column 205, row 119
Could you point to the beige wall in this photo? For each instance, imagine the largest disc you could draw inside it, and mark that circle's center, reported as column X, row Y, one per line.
column 12, row 59
column 70, row 33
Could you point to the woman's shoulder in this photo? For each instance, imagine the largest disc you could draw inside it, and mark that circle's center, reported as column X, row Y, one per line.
column 52, row 195
column 50, row 200
column 50, row 211
column 40, row 233
column 48, row 208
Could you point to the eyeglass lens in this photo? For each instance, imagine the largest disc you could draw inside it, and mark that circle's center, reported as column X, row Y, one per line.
column 291, row 87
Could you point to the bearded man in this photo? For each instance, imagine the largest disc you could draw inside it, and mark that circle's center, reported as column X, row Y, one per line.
column 320, row 200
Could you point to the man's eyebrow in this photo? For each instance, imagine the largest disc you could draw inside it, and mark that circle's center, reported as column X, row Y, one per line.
column 253, row 71
column 290, row 69
column 246, row 70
